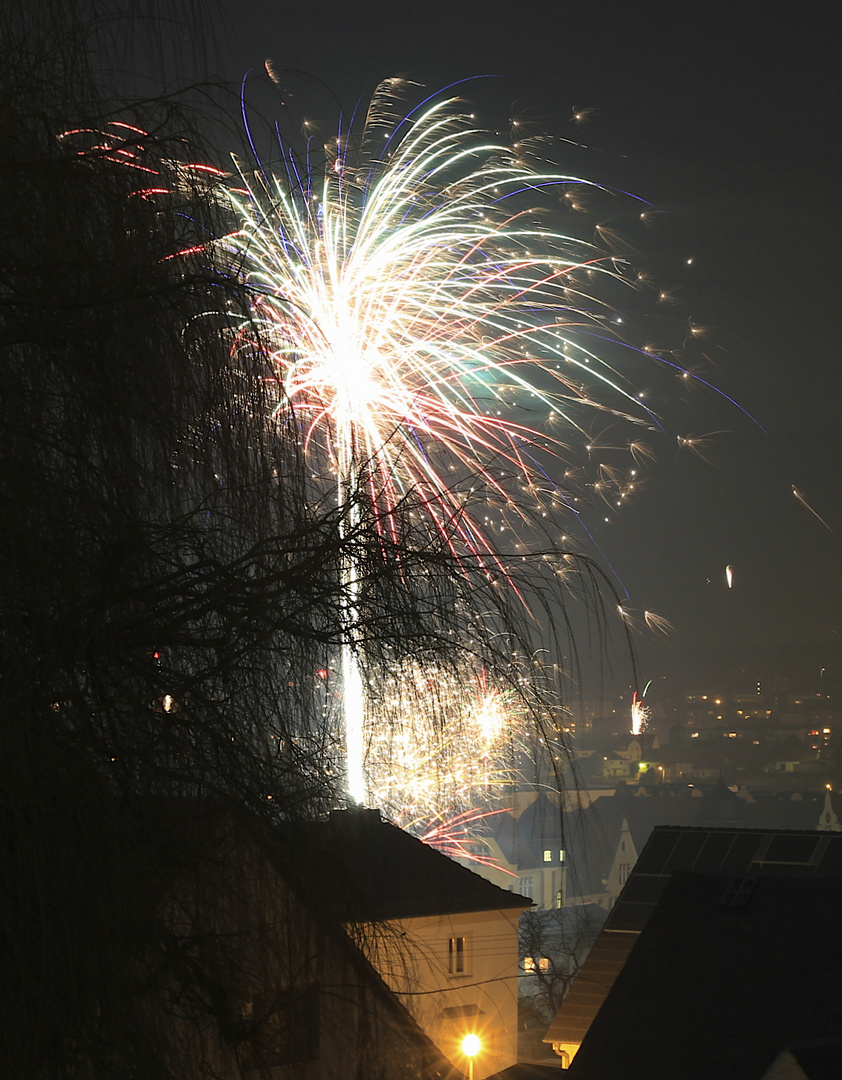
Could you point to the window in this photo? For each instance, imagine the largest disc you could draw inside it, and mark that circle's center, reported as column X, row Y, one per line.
column 529, row 964
column 624, row 870
column 561, row 855
column 548, row 855
column 457, row 956
column 533, row 964
column 526, row 887
column 559, row 899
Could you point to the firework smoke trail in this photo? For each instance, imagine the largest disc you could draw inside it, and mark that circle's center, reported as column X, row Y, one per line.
column 418, row 312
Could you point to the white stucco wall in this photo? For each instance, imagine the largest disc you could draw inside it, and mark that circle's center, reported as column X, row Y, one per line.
column 412, row 956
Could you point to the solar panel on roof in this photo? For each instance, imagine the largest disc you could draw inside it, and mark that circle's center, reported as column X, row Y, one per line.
column 791, row 848
column 658, row 849
column 686, row 851
column 642, row 889
column 830, row 864
column 717, row 844
column 629, row 917
column 742, row 851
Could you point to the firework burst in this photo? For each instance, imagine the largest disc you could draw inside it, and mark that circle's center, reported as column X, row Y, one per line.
column 430, row 332
column 443, row 745
column 425, row 320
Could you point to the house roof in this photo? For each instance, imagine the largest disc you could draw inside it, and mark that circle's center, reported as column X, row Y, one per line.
column 372, row 871
column 725, row 973
column 743, row 852
column 277, row 927
column 670, row 849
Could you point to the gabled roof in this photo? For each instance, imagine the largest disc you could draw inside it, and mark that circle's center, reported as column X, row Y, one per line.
column 723, row 975
column 733, row 852
column 370, row 870
column 737, row 852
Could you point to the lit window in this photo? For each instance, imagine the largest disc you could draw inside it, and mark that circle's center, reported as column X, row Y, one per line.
column 529, row 964
column 544, row 963
column 559, row 899
column 561, row 855
column 457, row 955
column 548, row 855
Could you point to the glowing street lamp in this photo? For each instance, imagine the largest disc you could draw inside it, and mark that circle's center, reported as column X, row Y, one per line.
column 471, row 1046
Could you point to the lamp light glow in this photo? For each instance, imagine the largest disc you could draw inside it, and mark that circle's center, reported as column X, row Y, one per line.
column 471, row 1045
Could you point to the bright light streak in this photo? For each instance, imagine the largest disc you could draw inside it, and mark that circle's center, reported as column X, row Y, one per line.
column 354, row 716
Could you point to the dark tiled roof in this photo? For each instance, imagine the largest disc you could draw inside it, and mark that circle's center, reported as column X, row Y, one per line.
column 732, row 852
column 738, row 852
column 720, row 979
column 370, row 870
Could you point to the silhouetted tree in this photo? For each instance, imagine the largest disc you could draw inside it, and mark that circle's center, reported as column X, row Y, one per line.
column 168, row 587
column 553, row 947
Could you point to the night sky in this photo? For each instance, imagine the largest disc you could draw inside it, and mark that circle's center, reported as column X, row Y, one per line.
column 727, row 119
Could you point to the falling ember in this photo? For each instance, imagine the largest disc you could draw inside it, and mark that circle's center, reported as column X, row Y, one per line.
column 729, row 576
column 800, row 496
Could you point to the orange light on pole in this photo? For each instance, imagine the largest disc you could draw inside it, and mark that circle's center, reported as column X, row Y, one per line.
column 471, row 1046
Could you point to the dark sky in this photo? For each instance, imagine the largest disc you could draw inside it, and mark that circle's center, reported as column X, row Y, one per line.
column 727, row 118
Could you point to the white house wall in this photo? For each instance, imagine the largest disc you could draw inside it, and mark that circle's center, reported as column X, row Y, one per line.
column 414, row 960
